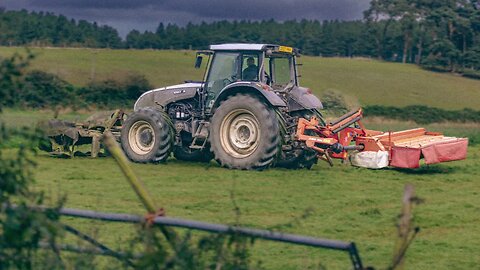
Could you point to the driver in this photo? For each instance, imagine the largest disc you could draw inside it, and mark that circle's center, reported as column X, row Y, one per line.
column 250, row 73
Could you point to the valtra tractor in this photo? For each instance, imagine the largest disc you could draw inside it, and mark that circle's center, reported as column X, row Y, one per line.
column 250, row 112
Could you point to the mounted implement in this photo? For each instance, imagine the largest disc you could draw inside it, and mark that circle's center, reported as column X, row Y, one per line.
column 377, row 149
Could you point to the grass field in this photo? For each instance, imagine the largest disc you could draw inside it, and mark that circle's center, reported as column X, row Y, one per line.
column 347, row 203
column 369, row 81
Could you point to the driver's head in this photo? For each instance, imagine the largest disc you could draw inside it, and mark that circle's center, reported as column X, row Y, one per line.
column 250, row 61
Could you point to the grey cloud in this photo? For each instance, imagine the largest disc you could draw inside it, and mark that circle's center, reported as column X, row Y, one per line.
column 278, row 9
column 228, row 9
column 146, row 14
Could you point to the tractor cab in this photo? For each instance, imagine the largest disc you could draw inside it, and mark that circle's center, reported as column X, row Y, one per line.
column 264, row 65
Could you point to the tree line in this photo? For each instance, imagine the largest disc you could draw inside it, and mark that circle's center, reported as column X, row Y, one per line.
column 19, row 28
column 437, row 34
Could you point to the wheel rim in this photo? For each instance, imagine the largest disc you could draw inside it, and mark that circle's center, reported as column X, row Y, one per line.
column 240, row 133
column 141, row 137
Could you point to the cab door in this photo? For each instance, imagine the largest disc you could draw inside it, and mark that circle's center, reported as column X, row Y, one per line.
column 224, row 70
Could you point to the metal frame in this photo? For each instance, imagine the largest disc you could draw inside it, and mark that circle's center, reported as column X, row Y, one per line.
column 349, row 247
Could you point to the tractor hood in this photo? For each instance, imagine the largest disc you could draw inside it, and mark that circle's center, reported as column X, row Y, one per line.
column 165, row 95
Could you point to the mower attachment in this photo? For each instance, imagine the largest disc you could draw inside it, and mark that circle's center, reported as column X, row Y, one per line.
column 377, row 149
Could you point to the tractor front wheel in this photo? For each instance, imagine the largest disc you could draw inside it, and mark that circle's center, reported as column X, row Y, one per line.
column 146, row 136
column 244, row 133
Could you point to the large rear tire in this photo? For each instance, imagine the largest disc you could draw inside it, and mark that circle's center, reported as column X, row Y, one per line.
column 146, row 136
column 244, row 133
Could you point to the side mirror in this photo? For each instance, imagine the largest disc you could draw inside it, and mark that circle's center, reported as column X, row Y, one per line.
column 198, row 61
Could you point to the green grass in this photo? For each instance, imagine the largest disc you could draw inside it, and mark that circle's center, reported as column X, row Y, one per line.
column 348, row 203
column 369, row 81
column 17, row 118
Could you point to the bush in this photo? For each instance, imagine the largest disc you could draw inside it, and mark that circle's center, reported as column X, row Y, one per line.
column 135, row 85
column 473, row 74
column 336, row 103
column 108, row 92
column 11, row 71
column 46, row 90
column 114, row 93
column 21, row 229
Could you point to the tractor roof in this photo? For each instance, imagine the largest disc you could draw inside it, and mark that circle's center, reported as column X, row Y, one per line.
column 252, row 47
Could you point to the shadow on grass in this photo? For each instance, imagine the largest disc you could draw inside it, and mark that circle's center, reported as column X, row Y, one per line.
column 206, row 165
column 427, row 169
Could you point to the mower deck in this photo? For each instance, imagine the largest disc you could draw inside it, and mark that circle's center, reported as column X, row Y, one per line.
column 407, row 147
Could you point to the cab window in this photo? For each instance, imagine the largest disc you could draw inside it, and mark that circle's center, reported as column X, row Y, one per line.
column 282, row 71
column 278, row 72
column 250, row 67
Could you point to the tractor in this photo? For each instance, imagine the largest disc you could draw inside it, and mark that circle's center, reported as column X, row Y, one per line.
column 243, row 114
column 250, row 113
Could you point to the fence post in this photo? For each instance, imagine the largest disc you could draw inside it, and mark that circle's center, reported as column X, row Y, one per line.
column 406, row 230
column 135, row 182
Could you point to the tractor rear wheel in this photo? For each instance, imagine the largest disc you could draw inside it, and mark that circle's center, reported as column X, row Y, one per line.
column 146, row 136
column 244, row 133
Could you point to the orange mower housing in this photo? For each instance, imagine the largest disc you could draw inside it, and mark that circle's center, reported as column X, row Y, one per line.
column 402, row 149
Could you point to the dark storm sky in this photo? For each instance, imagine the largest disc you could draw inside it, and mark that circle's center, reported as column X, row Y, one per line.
column 126, row 15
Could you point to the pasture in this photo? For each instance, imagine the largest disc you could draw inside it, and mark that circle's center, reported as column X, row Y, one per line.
column 369, row 81
column 343, row 202
column 346, row 203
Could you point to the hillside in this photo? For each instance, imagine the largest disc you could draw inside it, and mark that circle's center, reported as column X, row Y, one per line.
column 369, row 81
